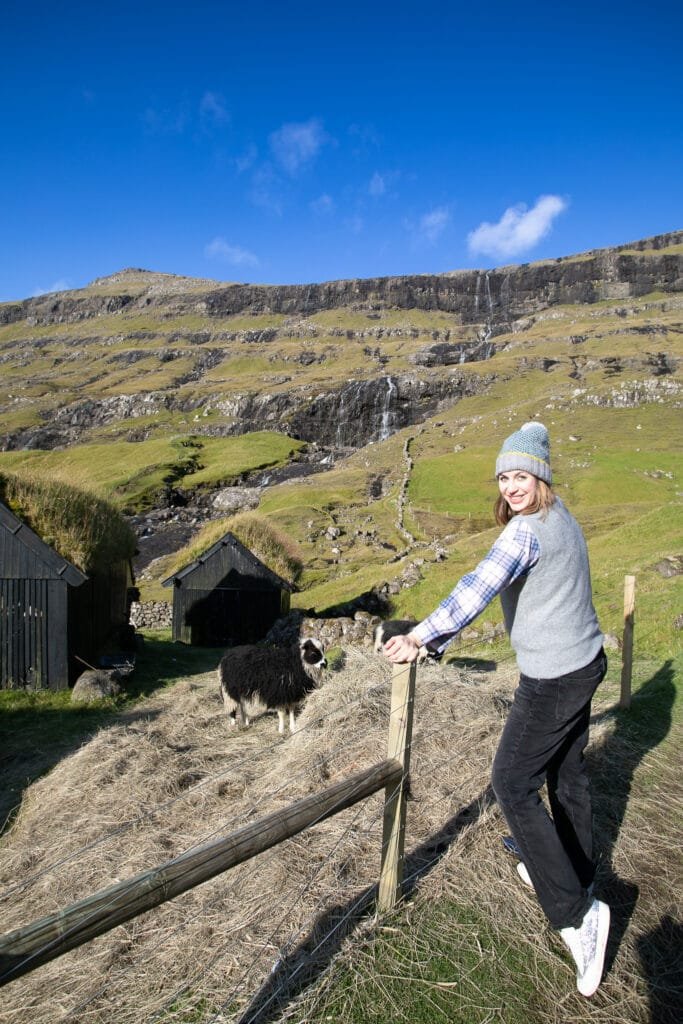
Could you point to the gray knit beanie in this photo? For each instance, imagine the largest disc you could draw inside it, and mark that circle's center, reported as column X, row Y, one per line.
column 528, row 449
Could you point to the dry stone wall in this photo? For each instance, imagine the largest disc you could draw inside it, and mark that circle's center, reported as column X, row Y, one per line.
column 151, row 615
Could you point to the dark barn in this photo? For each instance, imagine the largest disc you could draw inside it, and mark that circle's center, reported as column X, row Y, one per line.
column 54, row 619
column 227, row 596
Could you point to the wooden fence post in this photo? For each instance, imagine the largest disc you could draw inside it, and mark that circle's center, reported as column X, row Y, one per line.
column 627, row 641
column 393, row 832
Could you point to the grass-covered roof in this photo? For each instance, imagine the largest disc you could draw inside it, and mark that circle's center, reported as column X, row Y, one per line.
column 271, row 546
column 84, row 529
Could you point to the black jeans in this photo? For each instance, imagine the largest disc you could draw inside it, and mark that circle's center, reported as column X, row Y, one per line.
column 543, row 741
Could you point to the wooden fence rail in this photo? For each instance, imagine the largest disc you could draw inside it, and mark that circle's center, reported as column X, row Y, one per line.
column 26, row 948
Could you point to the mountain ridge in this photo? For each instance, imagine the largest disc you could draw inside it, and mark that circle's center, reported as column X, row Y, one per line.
column 621, row 271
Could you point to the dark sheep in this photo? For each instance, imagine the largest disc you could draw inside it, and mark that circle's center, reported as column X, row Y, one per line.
column 278, row 677
column 399, row 627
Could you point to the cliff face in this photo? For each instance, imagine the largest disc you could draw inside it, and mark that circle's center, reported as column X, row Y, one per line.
column 350, row 416
column 496, row 297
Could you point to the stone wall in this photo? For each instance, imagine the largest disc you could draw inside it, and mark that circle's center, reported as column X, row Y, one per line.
column 151, row 615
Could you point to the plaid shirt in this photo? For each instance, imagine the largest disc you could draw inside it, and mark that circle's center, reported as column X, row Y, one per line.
column 514, row 553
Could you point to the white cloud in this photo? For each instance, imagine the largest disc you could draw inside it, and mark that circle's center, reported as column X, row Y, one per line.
column 247, row 159
column 433, row 224
column 355, row 224
column 166, row 121
column 212, row 109
column 518, row 230
column 323, row 204
column 62, row 285
column 296, row 144
column 219, row 249
column 377, row 186
column 266, row 189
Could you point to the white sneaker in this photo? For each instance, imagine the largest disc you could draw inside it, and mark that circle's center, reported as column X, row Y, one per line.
column 523, row 873
column 588, row 944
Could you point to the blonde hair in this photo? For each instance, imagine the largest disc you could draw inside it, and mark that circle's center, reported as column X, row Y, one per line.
column 542, row 502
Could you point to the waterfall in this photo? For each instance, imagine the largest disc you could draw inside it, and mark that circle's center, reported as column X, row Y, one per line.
column 385, row 428
column 489, row 302
column 341, row 421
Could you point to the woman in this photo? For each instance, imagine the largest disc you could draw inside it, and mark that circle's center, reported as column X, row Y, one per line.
column 539, row 566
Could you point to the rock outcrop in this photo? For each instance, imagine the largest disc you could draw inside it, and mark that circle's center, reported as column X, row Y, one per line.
column 496, row 297
column 350, row 416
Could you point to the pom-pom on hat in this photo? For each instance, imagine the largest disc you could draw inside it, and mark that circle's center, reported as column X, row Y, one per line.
column 528, row 449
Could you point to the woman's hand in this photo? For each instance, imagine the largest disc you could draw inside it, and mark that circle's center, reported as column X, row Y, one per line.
column 400, row 649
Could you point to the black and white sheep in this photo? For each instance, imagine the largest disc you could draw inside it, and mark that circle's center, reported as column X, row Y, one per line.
column 399, row 627
column 278, row 677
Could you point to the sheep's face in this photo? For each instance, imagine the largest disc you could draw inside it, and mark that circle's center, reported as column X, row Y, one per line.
column 312, row 654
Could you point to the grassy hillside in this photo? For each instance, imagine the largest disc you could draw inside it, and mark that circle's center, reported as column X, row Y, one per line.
column 133, row 475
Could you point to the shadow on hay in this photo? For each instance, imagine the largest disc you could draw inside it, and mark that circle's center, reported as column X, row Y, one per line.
column 612, row 766
column 304, row 964
column 661, row 957
column 473, row 664
column 34, row 741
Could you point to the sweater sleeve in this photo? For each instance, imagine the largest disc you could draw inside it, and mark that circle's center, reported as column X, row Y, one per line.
column 513, row 554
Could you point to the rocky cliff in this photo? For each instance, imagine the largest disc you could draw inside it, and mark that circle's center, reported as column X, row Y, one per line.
column 497, row 297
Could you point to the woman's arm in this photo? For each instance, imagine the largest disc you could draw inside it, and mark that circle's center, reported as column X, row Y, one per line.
column 514, row 553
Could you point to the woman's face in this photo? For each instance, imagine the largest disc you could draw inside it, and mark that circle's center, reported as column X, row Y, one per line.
column 518, row 489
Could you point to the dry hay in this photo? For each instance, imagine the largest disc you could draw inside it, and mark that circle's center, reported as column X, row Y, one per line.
column 171, row 775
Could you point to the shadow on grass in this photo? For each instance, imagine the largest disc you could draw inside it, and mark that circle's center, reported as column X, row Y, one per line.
column 612, row 766
column 38, row 729
column 161, row 661
column 304, row 964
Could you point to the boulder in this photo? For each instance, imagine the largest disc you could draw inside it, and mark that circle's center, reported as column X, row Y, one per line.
column 671, row 565
column 235, row 499
column 95, row 684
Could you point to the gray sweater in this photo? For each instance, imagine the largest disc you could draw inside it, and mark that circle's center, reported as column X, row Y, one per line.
column 549, row 612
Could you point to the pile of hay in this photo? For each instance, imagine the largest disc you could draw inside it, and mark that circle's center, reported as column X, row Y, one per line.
column 171, row 775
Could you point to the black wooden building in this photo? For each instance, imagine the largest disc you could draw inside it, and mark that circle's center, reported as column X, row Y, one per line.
column 227, row 596
column 54, row 619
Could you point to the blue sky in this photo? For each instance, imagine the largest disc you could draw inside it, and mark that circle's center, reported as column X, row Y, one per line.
column 300, row 142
